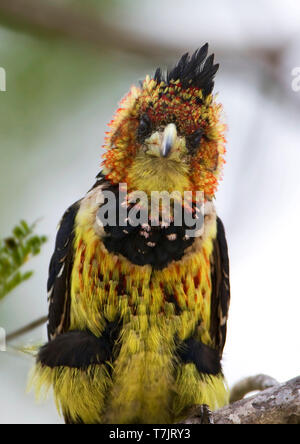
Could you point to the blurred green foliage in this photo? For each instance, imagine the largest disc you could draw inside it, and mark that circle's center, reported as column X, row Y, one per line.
column 46, row 77
column 43, row 78
column 15, row 251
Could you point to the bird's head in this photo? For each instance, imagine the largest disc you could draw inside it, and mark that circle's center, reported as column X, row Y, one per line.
column 168, row 133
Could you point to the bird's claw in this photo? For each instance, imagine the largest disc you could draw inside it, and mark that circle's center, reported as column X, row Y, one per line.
column 198, row 414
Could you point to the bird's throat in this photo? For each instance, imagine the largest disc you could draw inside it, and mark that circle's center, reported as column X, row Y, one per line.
column 149, row 174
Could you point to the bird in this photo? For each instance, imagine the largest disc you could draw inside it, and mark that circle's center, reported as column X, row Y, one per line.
column 138, row 304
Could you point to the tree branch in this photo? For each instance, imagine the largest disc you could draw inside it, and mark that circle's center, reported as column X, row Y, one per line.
column 277, row 405
column 26, row 329
column 50, row 20
column 251, row 384
column 53, row 20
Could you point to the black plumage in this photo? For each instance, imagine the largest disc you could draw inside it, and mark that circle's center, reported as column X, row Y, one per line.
column 157, row 246
column 220, row 297
column 58, row 285
column 197, row 71
column 80, row 349
column 205, row 358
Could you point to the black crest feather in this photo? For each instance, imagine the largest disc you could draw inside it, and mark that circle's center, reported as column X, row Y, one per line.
column 197, row 70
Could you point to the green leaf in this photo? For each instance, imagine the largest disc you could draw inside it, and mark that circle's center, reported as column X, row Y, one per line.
column 15, row 251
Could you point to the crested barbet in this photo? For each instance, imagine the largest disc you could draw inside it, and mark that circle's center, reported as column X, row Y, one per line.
column 138, row 309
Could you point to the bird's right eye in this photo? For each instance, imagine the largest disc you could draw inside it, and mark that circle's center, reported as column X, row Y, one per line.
column 194, row 140
column 144, row 129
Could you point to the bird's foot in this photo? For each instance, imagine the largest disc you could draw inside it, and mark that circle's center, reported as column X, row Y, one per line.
column 197, row 414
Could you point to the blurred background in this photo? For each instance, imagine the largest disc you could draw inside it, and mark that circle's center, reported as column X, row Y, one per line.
column 67, row 64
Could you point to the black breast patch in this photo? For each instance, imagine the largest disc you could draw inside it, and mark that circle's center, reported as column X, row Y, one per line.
column 145, row 244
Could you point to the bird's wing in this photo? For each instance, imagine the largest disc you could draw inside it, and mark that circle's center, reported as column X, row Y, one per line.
column 60, row 269
column 220, row 297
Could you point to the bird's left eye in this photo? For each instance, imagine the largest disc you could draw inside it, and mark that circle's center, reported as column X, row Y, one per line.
column 193, row 140
column 144, row 128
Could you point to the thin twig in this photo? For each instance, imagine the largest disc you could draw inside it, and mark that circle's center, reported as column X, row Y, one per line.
column 19, row 352
column 26, row 329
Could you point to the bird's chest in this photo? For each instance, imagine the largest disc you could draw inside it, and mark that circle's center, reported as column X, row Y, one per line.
column 107, row 287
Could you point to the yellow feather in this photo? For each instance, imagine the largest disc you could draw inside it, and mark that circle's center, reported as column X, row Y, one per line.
column 145, row 384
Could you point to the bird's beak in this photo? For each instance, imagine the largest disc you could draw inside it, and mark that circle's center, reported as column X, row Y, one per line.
column 169, row 138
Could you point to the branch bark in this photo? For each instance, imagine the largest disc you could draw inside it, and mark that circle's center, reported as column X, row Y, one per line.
column 277, row 405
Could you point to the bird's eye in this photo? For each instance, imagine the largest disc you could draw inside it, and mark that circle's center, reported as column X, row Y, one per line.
column 193, row 140
column 144, row 129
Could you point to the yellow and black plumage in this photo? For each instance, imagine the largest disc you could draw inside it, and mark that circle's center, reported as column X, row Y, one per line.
column 137, row 314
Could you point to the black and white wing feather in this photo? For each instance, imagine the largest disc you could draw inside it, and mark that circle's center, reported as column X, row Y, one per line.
column 220, row 288
column 60, row 269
